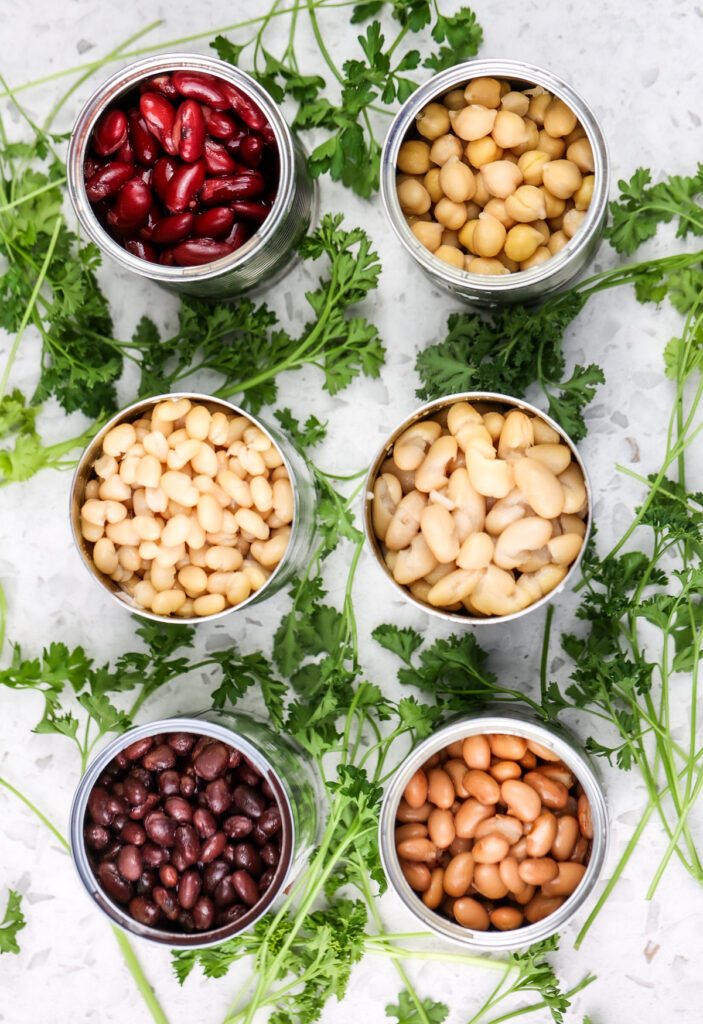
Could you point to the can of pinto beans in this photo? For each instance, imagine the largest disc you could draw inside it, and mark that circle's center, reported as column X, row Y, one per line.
column 185, row 831
column 512, row 851
column 181, row 168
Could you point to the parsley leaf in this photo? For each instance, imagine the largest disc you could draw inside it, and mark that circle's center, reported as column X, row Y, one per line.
column 406, row 1011
column 641, row 207
column 12, row 922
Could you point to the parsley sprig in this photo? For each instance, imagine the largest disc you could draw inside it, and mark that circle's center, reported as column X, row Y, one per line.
column 12, row 923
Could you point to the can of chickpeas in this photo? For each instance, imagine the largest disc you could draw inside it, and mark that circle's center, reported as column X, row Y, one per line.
column 184, row 507
column 493, row 831
column 478, row 508
column 495, row 177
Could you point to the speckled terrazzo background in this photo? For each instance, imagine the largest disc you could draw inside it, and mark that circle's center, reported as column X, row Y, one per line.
column 639, row 68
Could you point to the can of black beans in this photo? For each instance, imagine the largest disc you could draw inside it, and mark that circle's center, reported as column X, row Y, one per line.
column 182, row 169
column 186, row 830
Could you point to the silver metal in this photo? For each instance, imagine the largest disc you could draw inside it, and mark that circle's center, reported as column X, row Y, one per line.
column 517, row 722
column 302, row 527
column 526, row 285
column 282, row 763
column 483, row 401
column 268, row 253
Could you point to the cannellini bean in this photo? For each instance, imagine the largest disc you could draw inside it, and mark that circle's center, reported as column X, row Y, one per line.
column 105, row 555
column 564, row 549
column 516, row 436
column 411, row 446
column 574, row 488
column 490, row 477
column 541, row 488
column 455, row 587
column 405, row 522
column 516, row 542
column 119, row 439
column 476, row 552
column 413, row 562
column 437, row 528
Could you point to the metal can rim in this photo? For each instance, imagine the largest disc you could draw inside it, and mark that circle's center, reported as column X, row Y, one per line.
column 421, row 413
column 496, row 287
column 190, row 723
column 88, row 458
column 556, row 738
column 128, row 78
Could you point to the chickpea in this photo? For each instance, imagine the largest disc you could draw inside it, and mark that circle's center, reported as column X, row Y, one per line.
column 559, row 120
column 433, row 121
column 555, row 148
column 562, row 178
column 496, row 208
column 553, row 205
column 481, row 265
column 538, row 106
column 526, row 204
column 431, row 183
column 531, row 139
column 414, row 197
column 539, row 256
column 450, row 215
column 581, row 154
column 443, row 147
column 532, row 164
column 489, row 236
column 521, row 242
column 474, row 122
column 584, row 193
column 501, row 178
column 429, row 233
column 482, row 151
column 454, row 100
column 485, row 91
column 451, row 255
column 573, row 219
column 518, row 102
column 509, row 129
column 414, row 157
column 557, row 241
column 456, row 180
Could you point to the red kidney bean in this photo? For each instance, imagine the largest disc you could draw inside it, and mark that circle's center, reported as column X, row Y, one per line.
column 129, row 213
column 219, row 124
column 267, row 791
column 246, row 185
column 168, row 876
column 132, row 832
column 116, row 887
column 189, row 889
column 121, row 760
column 203, row 914
column 144, row 911
column 188, row 843
column 249, row 800
column 218, row 796
column 258, row 836
column 129, row 862
column 256, row 212
column 110, row 132
column 161, row 84
column 145, row 145
column 266, row 879
column 247, row 856
column 173, row 229
column 159, row 117
column 251, row 150
column 228, row 854
column 179, row 861
column 160, row 829
column 248, row 773
column 224, row 893
column 187, row 786
column 213, row 873
column 214, row 223
column 235, row 758
column 158, row 759
column 179, row 808
column 245, row 887
column 166, row 901
column 189, row 131
column 237, row 826
column 108, row 180
column 97, row 837
column 270, row 855
column 193, row 252
column 98, row 806
column 125, row 153
column 182, row 742
column 244, row 107
column 182, row 189
column 203, row 87
column 212, row 847
column 217, row 159
column 162, row 172
column 204, row 822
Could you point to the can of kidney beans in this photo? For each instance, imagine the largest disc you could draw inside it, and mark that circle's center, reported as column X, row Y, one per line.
column 243, row 197
column 181, row 849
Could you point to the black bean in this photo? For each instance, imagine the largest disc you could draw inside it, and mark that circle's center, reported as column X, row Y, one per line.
column 144, row 911
column 218, row 796
column 135, row 790
column 137, row 749
column 177, row 807
column 247, row 856
column 160, row 828
column 270, row 821
column 230, row 915
column 204, row 822
column 147, row 881
column 97, row 837
column 189, row 889
column 270, row 855
column 237, row 826
column 211, row 762
column 139, row 812
column 187, row 785
column 168, row 876
column 129, row 862
column 158, row 759
column 234, row 758
column 116, row 887
column 247, row 774
column 225, row 893
column 249, row 800
column 266, row 879
column 188, row 843
column 203, row 914
column 212, row 847
column 167, row 901
column 154, row 856
column 181, row 742
column 213, row 873
column 99, row 806
column 245, row 887
column 133, row 832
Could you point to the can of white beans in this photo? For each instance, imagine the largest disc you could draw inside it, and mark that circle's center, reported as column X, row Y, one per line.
column 477, row 903
column 185, row 507
column 565, row 249
column 478, row 508
column 242, row 201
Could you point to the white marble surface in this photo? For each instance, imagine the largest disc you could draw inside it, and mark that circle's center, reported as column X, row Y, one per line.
column 639, row 67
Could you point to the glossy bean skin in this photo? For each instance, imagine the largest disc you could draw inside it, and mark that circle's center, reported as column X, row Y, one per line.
column 110, row 132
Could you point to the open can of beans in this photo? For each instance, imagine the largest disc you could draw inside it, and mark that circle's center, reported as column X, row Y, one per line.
column 182, row 169
column 494, row 177
column 186, row 830
column 478, row 508
column 184, row 508
column 493, row 831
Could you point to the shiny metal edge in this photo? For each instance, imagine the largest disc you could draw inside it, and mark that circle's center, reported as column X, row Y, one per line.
column 422, row 413
column 302, row 485
column 556, row 738
column 113, row 910
column 528, row 285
